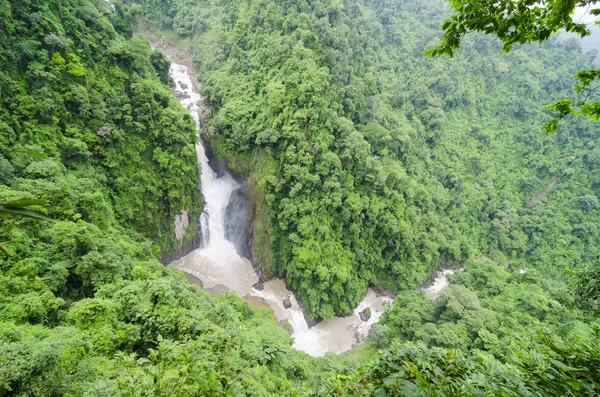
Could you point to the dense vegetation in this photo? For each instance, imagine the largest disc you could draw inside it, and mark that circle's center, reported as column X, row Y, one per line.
column 369, row 164
column 383, row 163
column 522, row 22
column 76, row 86
column 85, row 306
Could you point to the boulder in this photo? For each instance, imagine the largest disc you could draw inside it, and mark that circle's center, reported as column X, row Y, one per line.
column 218, row 289
column 193, row 279
column 255, row 301
column 287, row 303
column 259, row 286
column 365, row 315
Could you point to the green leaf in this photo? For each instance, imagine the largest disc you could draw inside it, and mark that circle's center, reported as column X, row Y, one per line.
column 7, row 210
column 30, row 152
column 25, row 202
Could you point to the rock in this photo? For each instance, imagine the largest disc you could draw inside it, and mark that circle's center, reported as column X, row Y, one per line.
column 193, row 279
column 218, row 289
column 285, row 324
column 287, row 303
column 181, row 223
column 365, row 315
column 259, row 286
column 255, row 301
column 238, row 223
column 104, row 131
column 183, row 85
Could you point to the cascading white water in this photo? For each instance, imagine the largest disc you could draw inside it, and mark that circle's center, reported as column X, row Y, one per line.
column 218, row 263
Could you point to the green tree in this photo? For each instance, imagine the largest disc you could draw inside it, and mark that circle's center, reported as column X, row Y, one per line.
column 520, row 22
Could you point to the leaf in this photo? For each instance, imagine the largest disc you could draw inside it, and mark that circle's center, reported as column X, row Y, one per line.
column 25, row 202
column 30, row 152
column 574, row 384
column 7, row 210
column 566, row 368
column 550, row 126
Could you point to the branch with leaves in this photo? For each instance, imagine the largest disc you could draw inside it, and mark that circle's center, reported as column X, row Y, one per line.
column 564, row 107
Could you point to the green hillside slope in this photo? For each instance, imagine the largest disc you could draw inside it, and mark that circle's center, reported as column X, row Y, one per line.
column 85, row 306
column 369, row 164
column 387, row 163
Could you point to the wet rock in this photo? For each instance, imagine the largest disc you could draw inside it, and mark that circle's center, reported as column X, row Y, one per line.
column 365, row 315
column 259, row 286
column 255, row 300
column 184, row 86
column 358, row 339
column 285, row 324
column 193, row 279
column 214, row 162
column 218, row 289
column 237, row 222
column 287, row 303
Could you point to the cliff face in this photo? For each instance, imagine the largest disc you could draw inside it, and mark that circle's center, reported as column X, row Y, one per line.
column 252, row 239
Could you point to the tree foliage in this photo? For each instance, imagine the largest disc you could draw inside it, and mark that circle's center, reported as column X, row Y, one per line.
column 383, row 164
column 371, row 165
column 520, row 22
column 88, row 97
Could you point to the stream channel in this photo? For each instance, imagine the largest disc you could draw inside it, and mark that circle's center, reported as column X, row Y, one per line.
column 218, row 265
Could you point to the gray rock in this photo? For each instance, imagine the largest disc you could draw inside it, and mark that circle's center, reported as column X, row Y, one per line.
column 287, row 303
column 218, row 289
column 255, row 301
column 365, row 315
column 193, row 280
column 238, row 222
column 259, row 286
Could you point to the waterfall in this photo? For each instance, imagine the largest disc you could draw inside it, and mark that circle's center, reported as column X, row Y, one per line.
column 217, row 262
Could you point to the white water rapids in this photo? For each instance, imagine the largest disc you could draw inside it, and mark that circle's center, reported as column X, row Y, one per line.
column 218, row 263
column 439, row 283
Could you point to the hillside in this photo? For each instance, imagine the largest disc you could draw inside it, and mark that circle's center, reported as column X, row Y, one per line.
column 86, row 308
column 383, row 164
column 367, row 163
